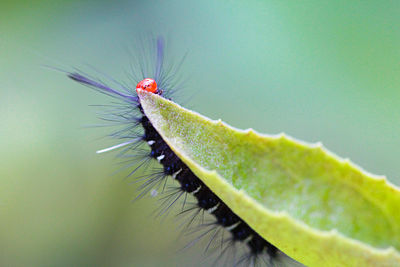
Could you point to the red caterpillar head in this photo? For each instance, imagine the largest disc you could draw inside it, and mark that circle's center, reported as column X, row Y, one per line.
column 148, row 85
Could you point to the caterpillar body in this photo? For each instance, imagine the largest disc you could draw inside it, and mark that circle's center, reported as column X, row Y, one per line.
column 131, row 114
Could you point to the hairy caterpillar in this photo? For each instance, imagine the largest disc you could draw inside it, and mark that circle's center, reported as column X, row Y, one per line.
column 130, row 114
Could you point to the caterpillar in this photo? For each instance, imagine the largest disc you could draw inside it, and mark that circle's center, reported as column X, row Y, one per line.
column 129, row 113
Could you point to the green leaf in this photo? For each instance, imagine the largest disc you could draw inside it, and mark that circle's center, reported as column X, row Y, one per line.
column 316, row 207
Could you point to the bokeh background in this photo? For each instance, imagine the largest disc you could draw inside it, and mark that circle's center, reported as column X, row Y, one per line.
column 317, row 71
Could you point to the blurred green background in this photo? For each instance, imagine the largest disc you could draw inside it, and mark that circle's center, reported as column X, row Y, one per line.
column 317, row 71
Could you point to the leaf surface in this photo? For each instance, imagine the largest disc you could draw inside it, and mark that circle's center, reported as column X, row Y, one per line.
column 316, row 207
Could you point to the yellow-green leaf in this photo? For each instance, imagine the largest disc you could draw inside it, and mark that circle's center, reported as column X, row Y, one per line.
column 316, row 207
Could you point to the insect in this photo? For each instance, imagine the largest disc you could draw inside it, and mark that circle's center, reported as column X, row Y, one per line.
column 129, row 113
